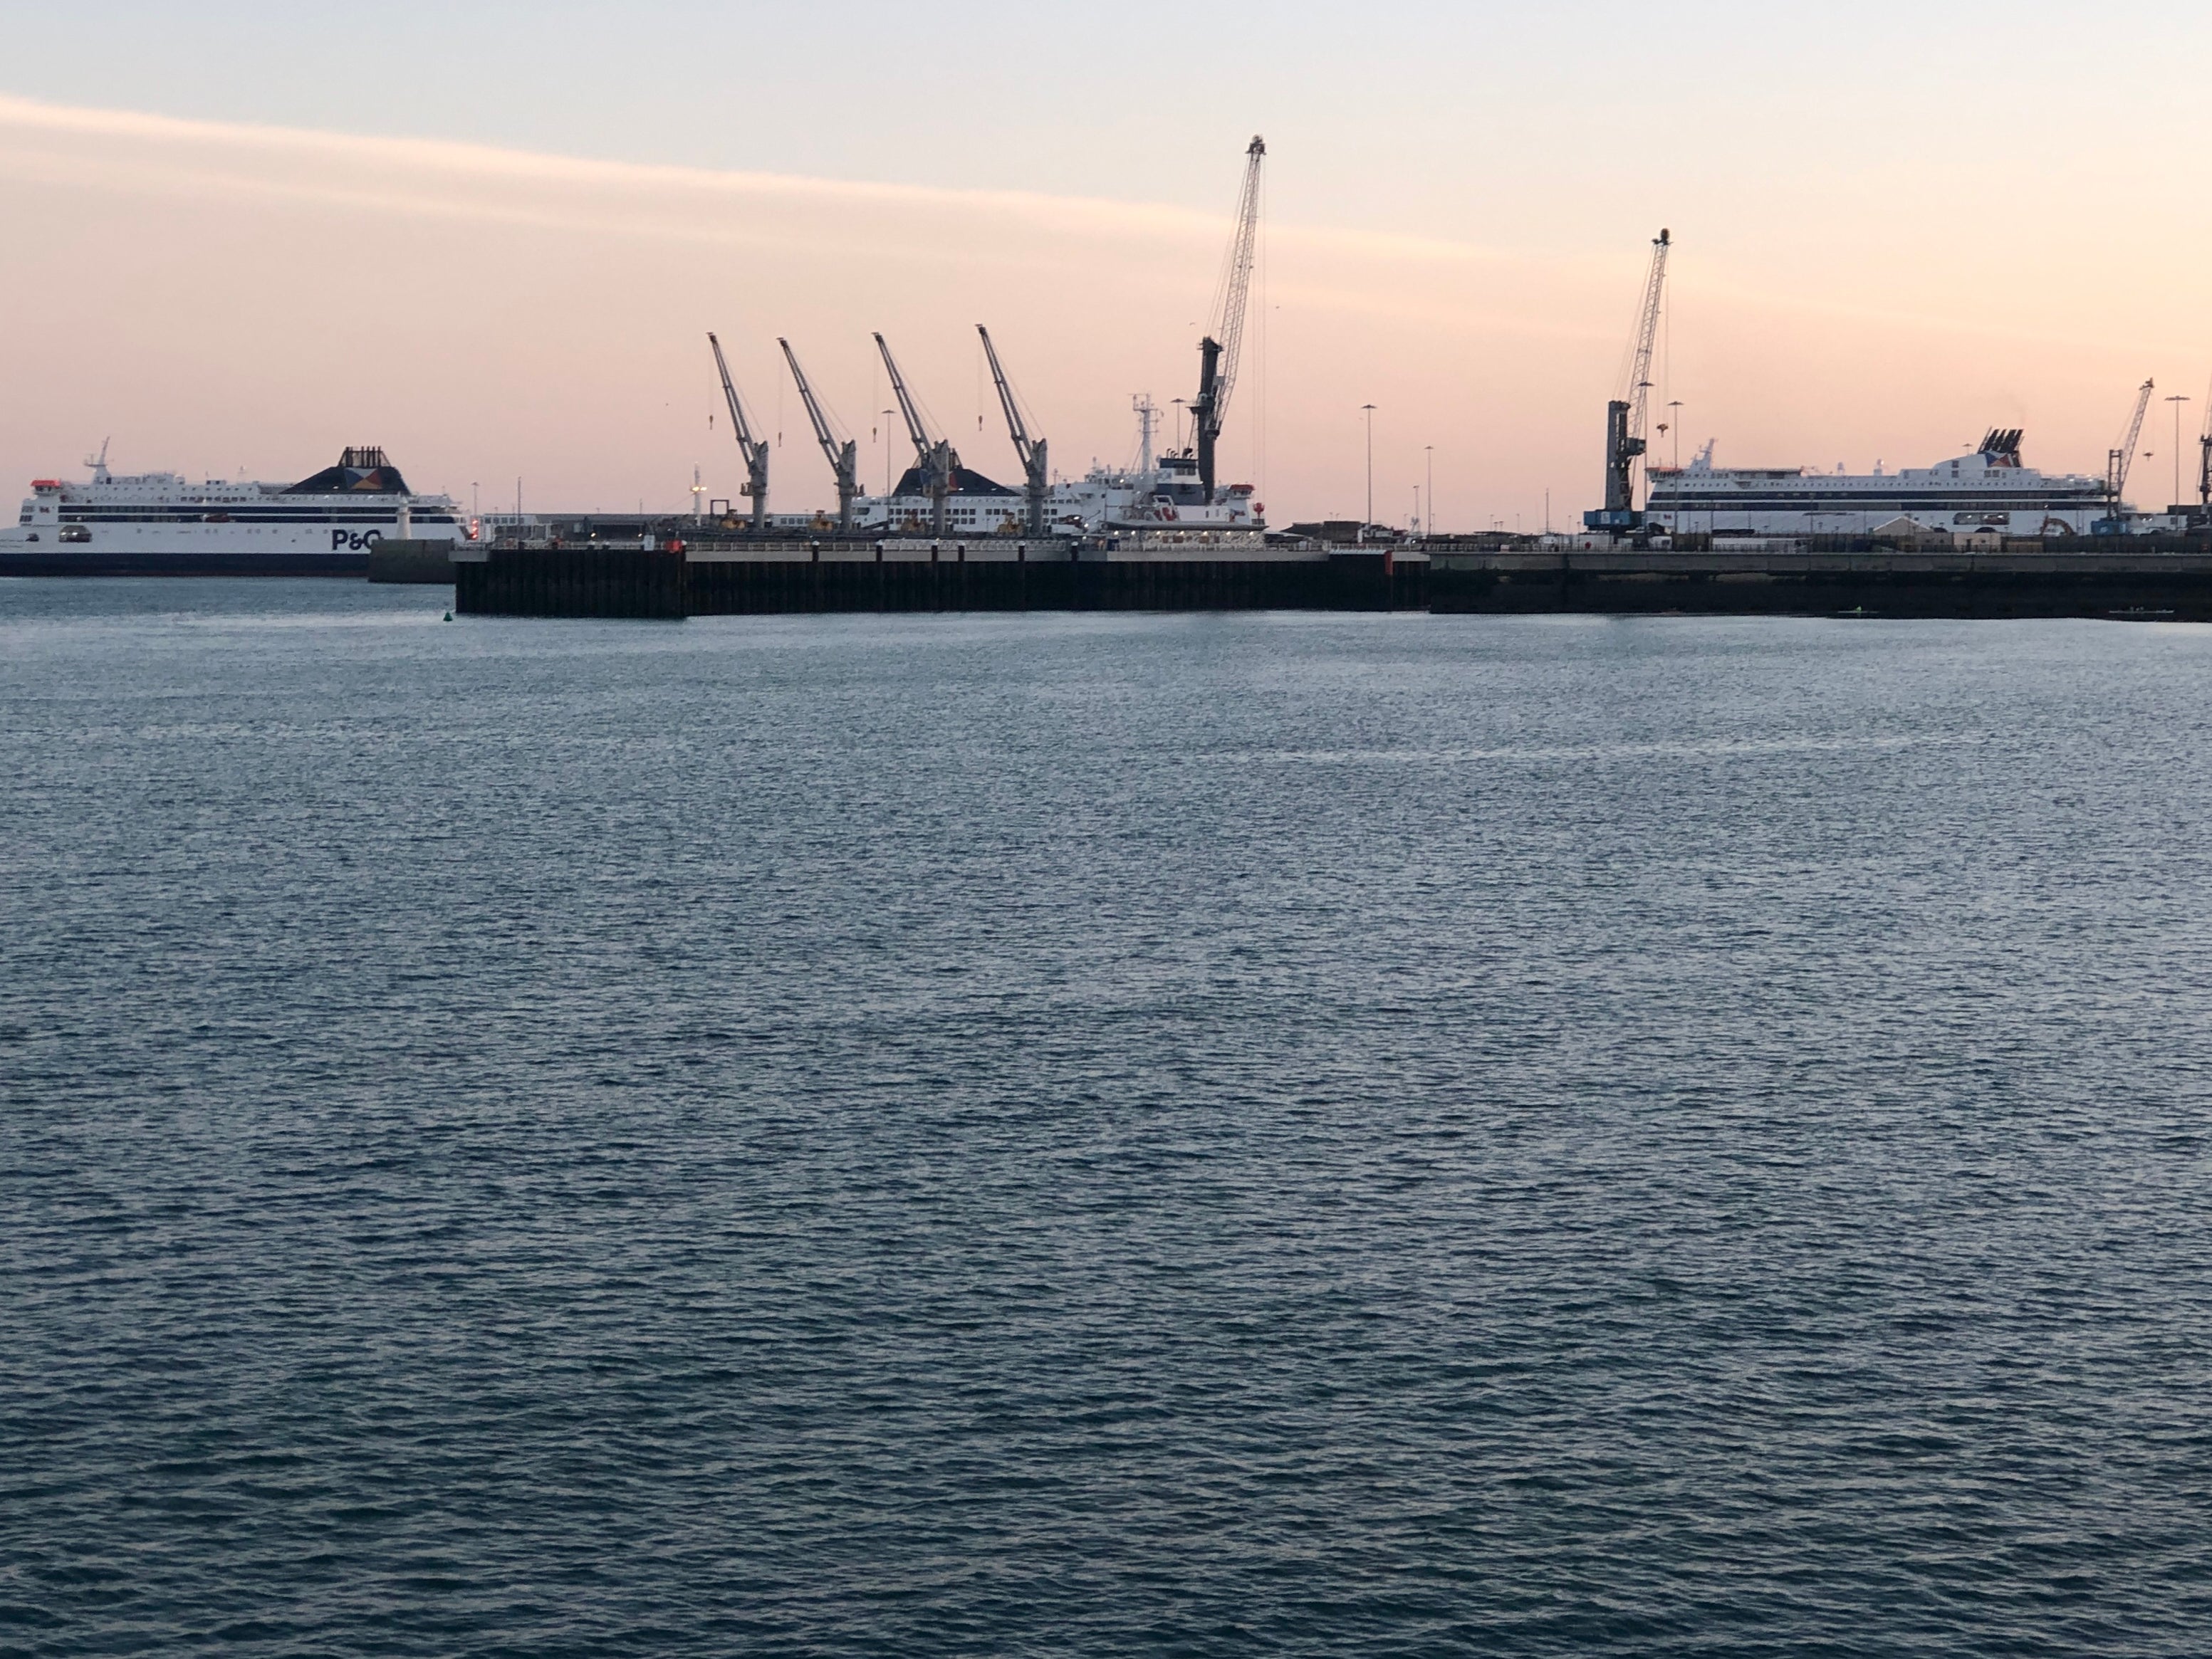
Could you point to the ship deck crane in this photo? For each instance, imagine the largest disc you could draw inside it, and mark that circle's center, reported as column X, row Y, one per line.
column 843, row 453
column 1219, row 352
column 1624, row 442
column 2118, row 461
column 936, row 463
column 1036, row 469
column 753, row 449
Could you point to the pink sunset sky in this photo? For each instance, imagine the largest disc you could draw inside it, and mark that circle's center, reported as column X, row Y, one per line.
column 244, row 238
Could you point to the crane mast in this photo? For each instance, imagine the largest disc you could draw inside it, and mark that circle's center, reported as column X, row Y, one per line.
column 1219, row 352
column 936, row 462
column 1625, row 415
column 843, row 453
column 2118, row 461
column 1036, row 470
column 754, row 451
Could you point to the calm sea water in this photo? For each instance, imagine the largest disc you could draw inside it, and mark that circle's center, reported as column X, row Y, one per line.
column 1098, row 1135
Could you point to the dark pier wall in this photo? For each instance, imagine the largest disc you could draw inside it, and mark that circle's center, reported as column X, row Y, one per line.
column 1899, row 585
column 749, row 588
column 605, row 582
column 601, row 581
column 571, row 582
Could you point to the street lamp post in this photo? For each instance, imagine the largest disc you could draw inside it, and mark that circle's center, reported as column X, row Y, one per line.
column 1370, row 517
column 2176, row 402
column 1429, row 523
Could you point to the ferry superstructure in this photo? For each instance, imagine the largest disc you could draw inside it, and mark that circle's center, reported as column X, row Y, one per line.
column 158, row 523
column 1990, row 491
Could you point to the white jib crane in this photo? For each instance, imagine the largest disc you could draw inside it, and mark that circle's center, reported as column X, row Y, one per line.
column 2205, row 459
column 1624, row 442
column 1036, row 469
column 937, row 464
column 753, row 449
column 1219, row 352
column 2118, row 461
column 842, row 453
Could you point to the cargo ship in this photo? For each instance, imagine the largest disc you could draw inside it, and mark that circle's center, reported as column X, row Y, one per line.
column 158, row 524
column 1991, row 491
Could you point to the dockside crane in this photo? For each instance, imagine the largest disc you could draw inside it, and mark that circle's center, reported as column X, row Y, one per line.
column 2118, row 461
column 843, row 453
column 2205, row 461
column 1218, row 353
column 1036, row 470
column 936, row 462
column 753, row 449
column 1624, row 416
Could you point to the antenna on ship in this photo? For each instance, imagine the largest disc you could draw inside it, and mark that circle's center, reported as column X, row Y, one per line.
column 98, row 463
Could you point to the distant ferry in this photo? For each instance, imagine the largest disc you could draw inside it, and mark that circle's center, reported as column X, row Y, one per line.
column 156, row 523
column 1990, row 491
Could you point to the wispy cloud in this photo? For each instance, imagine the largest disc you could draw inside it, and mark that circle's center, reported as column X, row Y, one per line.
column 441, row 178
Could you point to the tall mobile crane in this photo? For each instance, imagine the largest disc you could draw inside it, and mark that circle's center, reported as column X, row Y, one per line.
column 1218, row 351
column 937, row 464
column 1036, row 470
column 753, row 449
column 1624, row 416
column 2117, row 462
column 843, row 453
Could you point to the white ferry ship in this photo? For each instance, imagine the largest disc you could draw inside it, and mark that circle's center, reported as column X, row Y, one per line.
column 156, row 523
column 1989, row 491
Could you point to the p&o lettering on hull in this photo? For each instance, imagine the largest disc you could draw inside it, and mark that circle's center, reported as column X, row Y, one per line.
column 355, row 541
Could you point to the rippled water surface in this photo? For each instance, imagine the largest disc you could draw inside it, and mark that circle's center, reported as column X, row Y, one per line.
column 1098, row 1135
